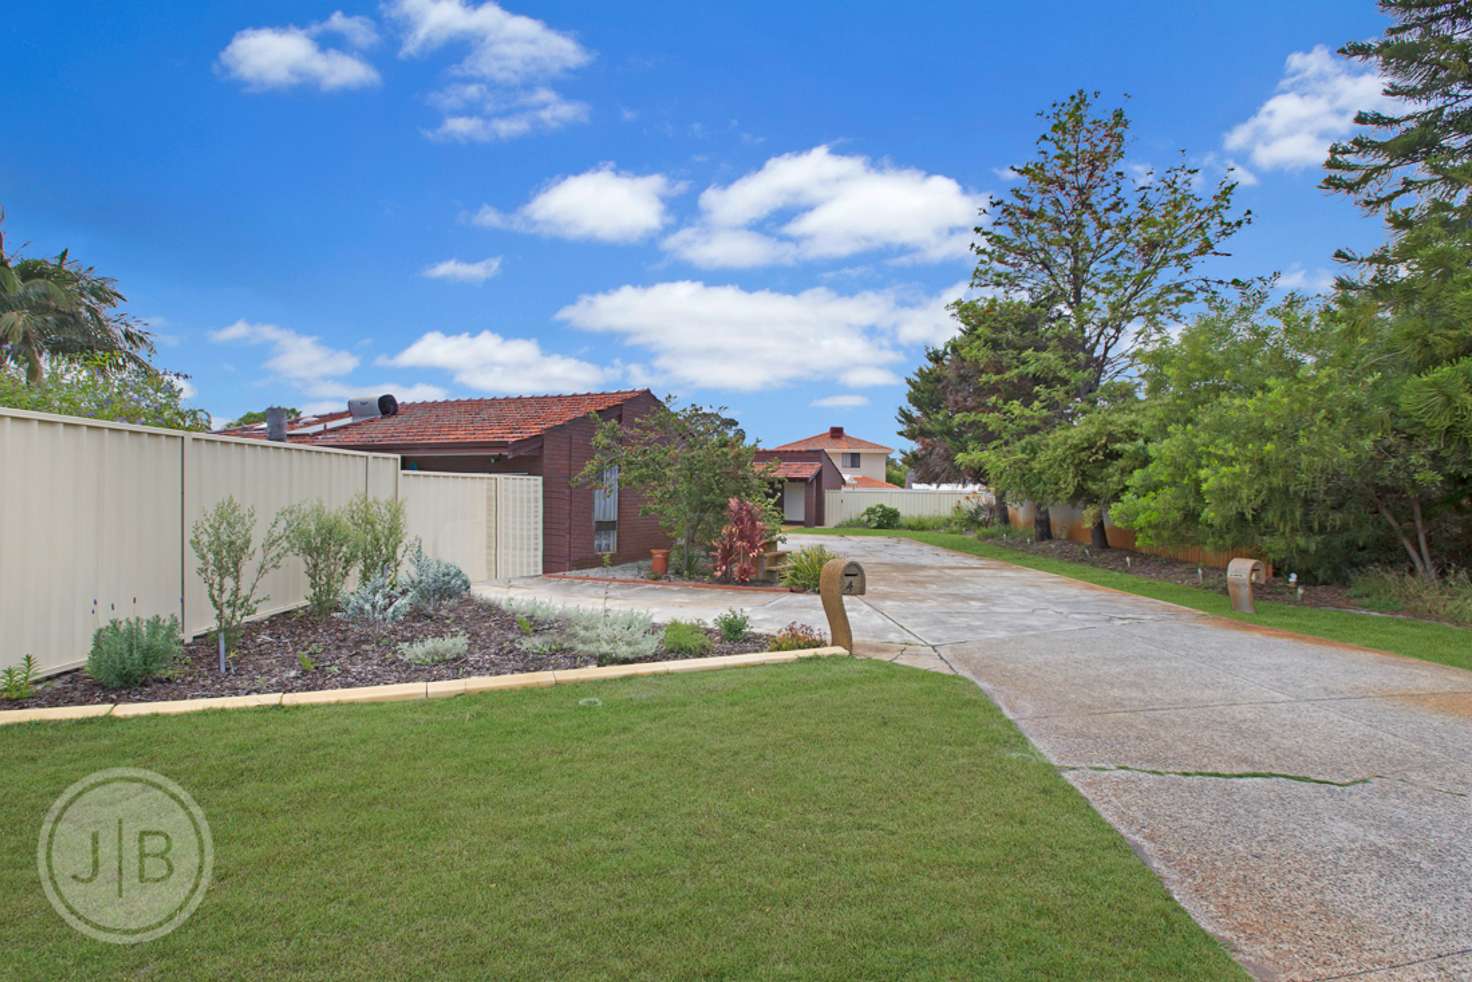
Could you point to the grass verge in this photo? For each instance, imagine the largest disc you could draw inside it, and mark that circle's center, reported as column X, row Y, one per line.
column 832, row 818
column 1425, row 640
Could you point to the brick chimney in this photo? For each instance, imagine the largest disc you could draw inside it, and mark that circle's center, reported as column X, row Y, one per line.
column 835, row 432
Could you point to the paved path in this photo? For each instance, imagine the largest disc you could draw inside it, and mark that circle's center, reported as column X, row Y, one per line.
column 1310, row 804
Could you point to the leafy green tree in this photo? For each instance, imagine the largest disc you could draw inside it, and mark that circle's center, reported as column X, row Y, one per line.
column 1107, row 262
column 896, row 473
column 686, row 464
column 60, row 309
column 94, row 388
column 1423, row 151
column 999, row 379
column 1114, row 257
column 259, row 416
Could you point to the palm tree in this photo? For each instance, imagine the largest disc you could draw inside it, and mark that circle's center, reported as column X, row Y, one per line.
column 61, row 309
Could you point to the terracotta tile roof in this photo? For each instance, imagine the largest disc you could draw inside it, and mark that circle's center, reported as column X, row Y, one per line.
column 474, row 421
column 793, row 470
column 873, row 484
column 298, row 430
column 831, row 440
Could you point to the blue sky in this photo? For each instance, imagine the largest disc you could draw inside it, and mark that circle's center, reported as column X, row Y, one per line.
column 761, row 206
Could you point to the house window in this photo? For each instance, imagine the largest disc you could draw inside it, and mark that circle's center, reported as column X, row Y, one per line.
column 851, row 460
column 605, row 513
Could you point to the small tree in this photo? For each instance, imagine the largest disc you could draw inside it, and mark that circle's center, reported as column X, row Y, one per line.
column 685, row 464
column 380, row 537
column 223, row 542
column 741, row 542
column 92, row 386
column 323, row 538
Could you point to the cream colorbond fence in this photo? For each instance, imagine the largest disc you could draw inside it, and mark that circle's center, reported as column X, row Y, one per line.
column 97, row 518
column 840, row 506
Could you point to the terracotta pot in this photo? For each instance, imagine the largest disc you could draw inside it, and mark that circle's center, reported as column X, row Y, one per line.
column 659, row 561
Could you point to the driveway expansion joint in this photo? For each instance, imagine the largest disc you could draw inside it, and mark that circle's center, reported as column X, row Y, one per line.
column 1221, row 775
column 1397, row 965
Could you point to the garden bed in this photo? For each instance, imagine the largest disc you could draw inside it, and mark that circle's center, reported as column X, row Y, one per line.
column 1174, row 570
column 295, row 652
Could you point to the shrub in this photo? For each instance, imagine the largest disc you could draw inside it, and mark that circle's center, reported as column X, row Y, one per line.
column 733, row 625
column 129, row 652
column 805, row 567
column 435, row 581
column 15, row 681
column 380, row 537
column 611, row 636
column 223, row 542
column 741, row 542
column 686, row 640
column 541, row 644
column 377, row 602
column 796, row 637
column 1448, row 598
column 432, row 651
column 969, row 516
column 323, row 538
column 926, row 523
column 880, row 517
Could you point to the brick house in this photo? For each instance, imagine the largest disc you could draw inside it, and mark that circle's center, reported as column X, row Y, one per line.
column 546, row 436
column 861, row 462
column 801, row 477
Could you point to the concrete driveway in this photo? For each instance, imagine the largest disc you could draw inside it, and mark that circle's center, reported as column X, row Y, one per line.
column 1310, row 804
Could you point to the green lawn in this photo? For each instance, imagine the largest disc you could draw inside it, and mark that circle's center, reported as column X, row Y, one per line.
column 1426, row 640
column 830, row 818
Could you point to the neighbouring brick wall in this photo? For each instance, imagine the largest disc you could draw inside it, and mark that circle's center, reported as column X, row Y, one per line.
column 637, row 534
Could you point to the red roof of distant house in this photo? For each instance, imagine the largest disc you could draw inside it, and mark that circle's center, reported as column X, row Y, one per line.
column 794, row 470
column 873, row 484
column 833, row 439
column 454, row 421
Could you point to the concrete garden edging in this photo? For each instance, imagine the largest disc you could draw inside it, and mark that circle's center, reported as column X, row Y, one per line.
column 405, row 691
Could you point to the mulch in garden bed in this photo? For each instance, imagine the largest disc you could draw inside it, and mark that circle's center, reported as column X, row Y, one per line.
column 296, row 652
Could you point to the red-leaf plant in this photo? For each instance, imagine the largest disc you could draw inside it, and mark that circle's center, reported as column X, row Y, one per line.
column 741, row 542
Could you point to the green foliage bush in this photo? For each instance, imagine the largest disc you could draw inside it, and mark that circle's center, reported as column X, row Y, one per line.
column 323, row 538
column 380, row 533
column 611, row 636
column 435, row 581
column 733, row 625
column 377, row 602
column 1447, row 599
column 130, row 652
column 927, row 523
column 16, row 680
column 797, row 637
column 433, row 651
column 880, row 517
column 686, row 640
column 805, row 567
column 224, row 544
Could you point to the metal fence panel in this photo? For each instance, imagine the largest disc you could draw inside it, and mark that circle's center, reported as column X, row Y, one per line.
column 90, row 532
column 840, row 506
column 518, row 526
column 450, row 514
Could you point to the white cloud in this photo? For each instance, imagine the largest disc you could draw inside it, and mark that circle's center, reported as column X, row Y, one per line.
column 1296, row 277
column 507, row 50
column 464, row 272
column 504, row 47
column 297, row 357
column 283, row 57
column 488, row 362
column 822, row 205
column 840, row 402
column 931, row 323
column 187, row 389
column 476, row 114
column 602, row 204
column 727, row 337
column 1005, row 174
column 1315, row 104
